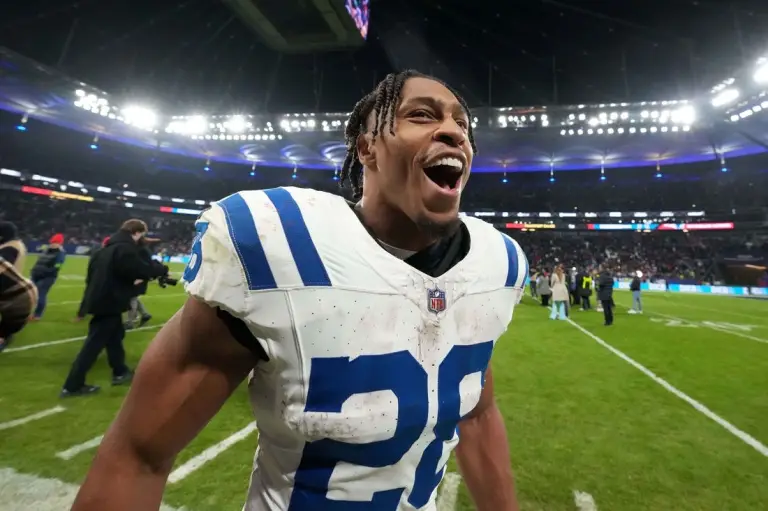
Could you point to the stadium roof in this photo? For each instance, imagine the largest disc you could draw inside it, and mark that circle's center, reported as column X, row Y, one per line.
column 192, row 54
column 174, row 61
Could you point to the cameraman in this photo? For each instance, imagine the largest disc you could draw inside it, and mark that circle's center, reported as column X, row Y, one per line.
column 136, row 307
column 113, row 273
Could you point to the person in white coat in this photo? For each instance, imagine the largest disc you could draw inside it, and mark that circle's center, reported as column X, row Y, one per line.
column 559, row 294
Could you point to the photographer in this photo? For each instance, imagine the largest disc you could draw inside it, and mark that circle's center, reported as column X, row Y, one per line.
column 136, row 307
column 113, row 273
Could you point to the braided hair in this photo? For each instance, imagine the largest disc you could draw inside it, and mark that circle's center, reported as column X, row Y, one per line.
column 382, row 101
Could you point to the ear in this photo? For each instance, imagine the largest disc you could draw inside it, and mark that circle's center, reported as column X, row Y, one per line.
column 366, row 150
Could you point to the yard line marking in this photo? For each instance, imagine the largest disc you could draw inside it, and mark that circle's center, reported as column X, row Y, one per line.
column 210, row 453
column 584, row 501
column 24, row 492
column 741, row 435
column 449, row 492
column 71, row 339
column 30, row 418
column 77, row 449
column 143, row 297
column 714, row 327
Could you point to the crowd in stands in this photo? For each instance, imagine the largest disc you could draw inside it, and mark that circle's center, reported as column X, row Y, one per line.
column 659, row 256
column 88, row 223
column 673, row 255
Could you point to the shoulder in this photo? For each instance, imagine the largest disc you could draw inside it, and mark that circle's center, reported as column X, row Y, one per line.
column 499, row 250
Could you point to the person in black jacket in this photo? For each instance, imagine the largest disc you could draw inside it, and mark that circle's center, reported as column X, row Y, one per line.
column 113, row 273
column 634, row 286
column 46, row 271
column 605, row 295
column 137, row 308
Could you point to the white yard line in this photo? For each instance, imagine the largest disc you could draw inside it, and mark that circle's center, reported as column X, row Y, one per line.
column 143, row 297
column 741, row 435
column 77, row 449
column 449, row 492
column 71, row 339
column 209, row 454
column 25, row 492
column 30, row 418
column 584, row 501
column 713, row 327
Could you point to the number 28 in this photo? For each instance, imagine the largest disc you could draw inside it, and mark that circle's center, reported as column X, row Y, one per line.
column 334, row 380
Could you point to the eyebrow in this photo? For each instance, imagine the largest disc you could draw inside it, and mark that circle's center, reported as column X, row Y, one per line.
column 437, row 104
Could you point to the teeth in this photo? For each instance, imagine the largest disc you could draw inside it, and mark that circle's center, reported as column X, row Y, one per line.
column 449, row 162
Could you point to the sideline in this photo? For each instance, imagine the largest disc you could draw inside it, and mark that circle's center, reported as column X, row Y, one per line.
column 741, row 435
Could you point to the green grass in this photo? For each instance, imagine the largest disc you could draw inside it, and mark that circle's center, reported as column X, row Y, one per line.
column 579, row 417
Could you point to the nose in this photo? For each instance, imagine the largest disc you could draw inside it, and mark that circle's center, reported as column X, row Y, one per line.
column 450, row 133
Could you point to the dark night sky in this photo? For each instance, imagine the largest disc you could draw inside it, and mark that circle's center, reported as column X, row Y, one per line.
column 195, row 55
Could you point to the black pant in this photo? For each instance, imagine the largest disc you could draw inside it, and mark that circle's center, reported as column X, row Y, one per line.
column 575, row 298
column 545, row 300
column 608, row 311
column 585, row 304
column 103, row 332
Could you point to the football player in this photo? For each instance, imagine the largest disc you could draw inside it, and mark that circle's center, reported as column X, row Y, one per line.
column 365, row 330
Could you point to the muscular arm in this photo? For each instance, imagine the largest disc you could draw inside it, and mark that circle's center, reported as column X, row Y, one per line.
column 184, row 378
column 483, row 455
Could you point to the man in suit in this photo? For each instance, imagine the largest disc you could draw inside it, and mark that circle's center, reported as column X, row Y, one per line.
column 605, row 294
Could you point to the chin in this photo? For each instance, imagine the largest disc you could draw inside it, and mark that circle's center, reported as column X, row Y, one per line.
column 439, row 225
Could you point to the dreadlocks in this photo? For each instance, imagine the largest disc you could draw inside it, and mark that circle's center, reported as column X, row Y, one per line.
column 382, row 101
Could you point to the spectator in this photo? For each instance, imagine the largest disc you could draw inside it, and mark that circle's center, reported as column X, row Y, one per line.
column 559, row 289
column 12, row 249
column 18, row 297
column 46, row 271
column 113, row 273
column 543, row 288
column 605, row 295
column 634, row 286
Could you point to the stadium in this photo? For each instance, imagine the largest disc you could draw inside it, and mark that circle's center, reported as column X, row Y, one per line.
column 629, row 139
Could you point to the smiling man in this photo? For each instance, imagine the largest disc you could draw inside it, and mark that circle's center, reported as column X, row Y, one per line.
column 365, row 330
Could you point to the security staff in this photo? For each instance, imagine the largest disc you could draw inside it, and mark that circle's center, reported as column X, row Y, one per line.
column 113, row 273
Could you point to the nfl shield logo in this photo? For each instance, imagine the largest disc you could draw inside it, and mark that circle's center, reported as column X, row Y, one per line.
column 435, row 300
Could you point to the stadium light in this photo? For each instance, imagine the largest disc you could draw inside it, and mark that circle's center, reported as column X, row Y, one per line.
column 761, row 73
column 140, row 117
column 236, row 124
column 725, row 97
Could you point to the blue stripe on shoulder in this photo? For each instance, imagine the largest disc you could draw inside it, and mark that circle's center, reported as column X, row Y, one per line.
column 245, row 238
column 308, row 261
column 512, row 257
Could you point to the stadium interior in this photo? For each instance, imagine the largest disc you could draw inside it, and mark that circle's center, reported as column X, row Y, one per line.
column 629, row 137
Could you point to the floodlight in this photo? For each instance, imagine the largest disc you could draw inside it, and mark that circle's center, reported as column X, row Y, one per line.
column 725, row 97
column 140, row 117
column 761, row 73
column 236, row 124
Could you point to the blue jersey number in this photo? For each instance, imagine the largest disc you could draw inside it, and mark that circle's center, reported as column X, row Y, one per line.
column 334, row 380
column 196, row 257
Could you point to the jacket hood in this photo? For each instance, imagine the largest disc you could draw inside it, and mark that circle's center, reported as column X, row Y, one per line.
column 8, row 232
column 118, row 238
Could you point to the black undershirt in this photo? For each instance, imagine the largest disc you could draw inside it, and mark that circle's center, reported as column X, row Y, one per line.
column 434, row 261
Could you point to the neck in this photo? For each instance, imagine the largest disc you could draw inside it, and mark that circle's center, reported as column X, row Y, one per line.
column 392, row 226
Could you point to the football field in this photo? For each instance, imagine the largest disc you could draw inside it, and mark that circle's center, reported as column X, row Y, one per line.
column 662, row 411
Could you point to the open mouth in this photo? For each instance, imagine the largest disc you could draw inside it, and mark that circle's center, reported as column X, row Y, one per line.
column 445, row 173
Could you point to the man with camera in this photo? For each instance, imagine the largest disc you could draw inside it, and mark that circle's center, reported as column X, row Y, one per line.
column 114, row 271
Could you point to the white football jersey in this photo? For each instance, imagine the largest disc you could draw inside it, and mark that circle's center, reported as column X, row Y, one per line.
column 372, row 363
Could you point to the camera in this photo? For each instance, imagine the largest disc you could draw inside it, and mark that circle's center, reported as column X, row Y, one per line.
column 165, row 280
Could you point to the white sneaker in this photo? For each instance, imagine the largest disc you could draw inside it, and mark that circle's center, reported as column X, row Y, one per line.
column 632, row 311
